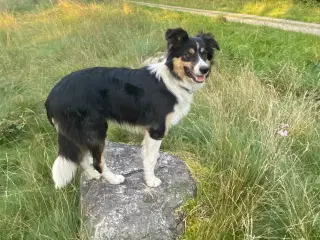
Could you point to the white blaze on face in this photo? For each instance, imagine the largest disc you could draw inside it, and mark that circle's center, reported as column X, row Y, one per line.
column 201, row 64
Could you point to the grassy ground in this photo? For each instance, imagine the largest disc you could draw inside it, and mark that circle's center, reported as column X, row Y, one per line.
column 306, row 11
column 253, row 183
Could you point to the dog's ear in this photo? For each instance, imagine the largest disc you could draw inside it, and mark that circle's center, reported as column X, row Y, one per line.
column 210, row 43
column 209, row 40
column 176, row 37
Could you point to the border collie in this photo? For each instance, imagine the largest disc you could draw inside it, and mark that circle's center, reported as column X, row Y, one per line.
column 152, row 98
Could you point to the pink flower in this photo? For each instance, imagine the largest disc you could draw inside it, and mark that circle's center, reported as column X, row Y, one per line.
column 283, row 130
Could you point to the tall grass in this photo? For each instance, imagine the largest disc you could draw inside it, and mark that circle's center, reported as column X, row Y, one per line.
column 253, row 183
column 257, row 183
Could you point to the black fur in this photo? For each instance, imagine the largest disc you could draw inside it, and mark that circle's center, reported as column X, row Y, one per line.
column 176, row 37
column 82, row 101
column 210, row 44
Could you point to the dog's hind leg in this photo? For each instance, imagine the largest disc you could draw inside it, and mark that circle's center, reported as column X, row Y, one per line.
column 96, row 145
column 110, row 176
column 89, row 171
column 65, row 166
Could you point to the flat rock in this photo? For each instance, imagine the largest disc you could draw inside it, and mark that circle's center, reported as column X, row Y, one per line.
column 132, row 210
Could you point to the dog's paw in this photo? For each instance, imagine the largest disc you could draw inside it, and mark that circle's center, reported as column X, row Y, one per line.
column 92, row 174
column 115, row 179
column 153, row 182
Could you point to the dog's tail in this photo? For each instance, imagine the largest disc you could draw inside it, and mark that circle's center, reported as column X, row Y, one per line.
column 63, row 170
column 49, row 115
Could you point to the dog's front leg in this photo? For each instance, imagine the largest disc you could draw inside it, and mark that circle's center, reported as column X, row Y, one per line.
column 150, row 151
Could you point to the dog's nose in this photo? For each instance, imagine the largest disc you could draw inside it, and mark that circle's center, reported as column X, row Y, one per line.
column 204, row 70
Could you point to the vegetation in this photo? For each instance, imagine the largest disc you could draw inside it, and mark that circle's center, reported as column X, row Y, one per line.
column 300, row 10
column 253, row 182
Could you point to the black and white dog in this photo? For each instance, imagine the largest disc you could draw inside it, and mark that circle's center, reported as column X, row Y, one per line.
column 152, row 98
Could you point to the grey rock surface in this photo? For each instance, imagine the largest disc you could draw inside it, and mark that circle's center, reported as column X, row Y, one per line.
column 132, row 210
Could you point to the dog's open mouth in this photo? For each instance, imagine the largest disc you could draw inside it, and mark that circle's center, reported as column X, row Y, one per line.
column 196, row 78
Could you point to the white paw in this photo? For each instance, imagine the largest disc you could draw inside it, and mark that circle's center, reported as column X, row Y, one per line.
column 153, row 182
column 92, row 174
column 114, row 178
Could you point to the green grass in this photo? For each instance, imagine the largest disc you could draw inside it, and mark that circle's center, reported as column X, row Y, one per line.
column 306, row 11
column 19, row 6
column 252, row 182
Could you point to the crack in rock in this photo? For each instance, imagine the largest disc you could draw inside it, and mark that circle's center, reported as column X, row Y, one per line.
column 133, row 172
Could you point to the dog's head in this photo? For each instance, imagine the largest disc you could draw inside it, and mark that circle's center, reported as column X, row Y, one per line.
column 190, row 58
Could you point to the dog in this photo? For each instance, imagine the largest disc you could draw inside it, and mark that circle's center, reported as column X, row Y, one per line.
column 152, row 98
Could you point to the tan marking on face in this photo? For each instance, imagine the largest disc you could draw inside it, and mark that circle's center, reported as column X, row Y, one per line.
column 178, row 67
column 192, row 51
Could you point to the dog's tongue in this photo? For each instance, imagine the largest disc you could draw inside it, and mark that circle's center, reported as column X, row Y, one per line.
column 200, row 78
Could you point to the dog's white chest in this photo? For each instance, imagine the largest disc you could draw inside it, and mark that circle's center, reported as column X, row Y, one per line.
column 181, row 109
column 179, row 112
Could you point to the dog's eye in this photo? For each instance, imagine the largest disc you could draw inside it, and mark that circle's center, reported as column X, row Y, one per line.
column 190, row 53
column 187, row 55
column 204, row 52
